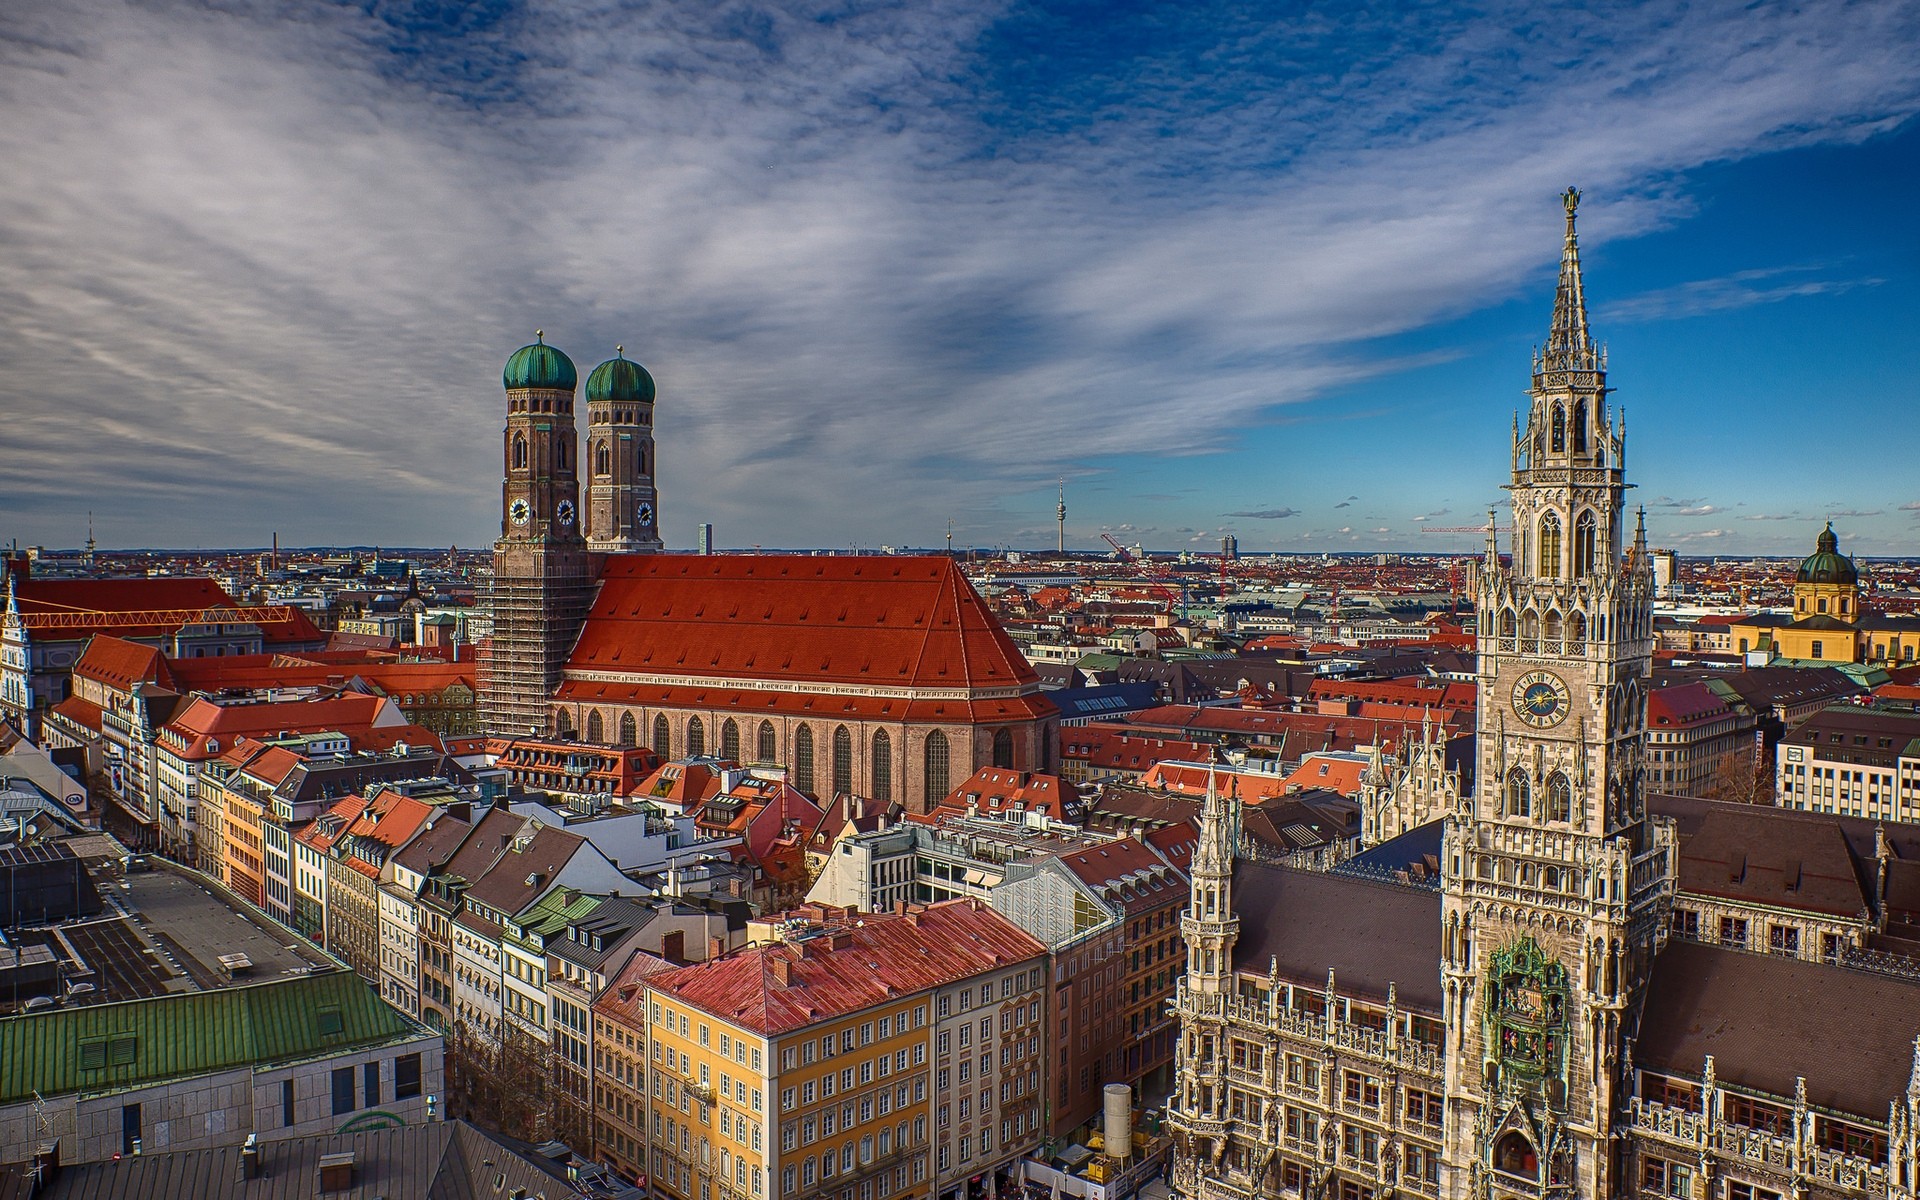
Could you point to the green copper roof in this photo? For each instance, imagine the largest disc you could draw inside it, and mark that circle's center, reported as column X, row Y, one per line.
column 539, row 366
column 110, row 1047
column 1826, row 564
column 620, row 381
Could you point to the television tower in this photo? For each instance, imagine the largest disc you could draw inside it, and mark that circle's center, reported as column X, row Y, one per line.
column 1060, row 513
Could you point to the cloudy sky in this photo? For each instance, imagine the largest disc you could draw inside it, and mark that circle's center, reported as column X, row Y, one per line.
column 1273, row 270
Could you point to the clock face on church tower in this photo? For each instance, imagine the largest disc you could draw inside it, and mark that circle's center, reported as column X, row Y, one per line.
column 564, row 513
column 1541, row 699
column 644, row 514
column 519, row 512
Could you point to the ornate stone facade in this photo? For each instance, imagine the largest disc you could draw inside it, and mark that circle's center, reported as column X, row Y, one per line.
column 1529, row 1032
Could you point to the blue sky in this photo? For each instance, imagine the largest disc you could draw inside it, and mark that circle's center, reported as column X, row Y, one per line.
column 1224, row 267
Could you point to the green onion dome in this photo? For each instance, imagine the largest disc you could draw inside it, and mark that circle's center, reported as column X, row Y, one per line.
column 620, row 381
column 1826, row 564
column 540, row 366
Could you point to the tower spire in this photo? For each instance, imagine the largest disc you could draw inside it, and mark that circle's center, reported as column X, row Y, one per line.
column 1060, row 513
column 1569, row 346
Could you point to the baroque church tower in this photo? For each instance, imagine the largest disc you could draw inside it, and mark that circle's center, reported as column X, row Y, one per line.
column 542, row 571
column 622, row 507
column 1556, row 884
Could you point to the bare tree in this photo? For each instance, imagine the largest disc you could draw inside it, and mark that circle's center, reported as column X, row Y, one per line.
column 1738, row 777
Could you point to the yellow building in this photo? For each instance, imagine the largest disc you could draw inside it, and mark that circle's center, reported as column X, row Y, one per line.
column 804, row 1067
column 1828, row 621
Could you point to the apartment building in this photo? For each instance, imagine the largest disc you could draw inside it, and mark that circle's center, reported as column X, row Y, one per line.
column 806, row 1067
column 1856, row 762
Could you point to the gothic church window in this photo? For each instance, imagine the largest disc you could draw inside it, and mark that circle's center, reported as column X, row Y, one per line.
column 1585, row 540
column 1549, row 565
column 1519, row 794
column 768, row 751
column 882, row 766
column 629, row 730
column 936, row 767
column 519, row 452
column 696, row 738
column 803, row 759
column 596, row 728
column 1559, row 429
column 1003, row 748
column 1559, row 798
column 1580, row 427
column 602, row 460
column 730, row 741
column 662, row 737
column 842, row 761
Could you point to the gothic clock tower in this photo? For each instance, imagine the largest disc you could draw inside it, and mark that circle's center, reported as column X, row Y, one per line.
column 1556, row 883
column 542, row 572
column 622, row 514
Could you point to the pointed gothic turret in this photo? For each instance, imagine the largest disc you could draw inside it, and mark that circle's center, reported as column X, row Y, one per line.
column 1569, row 345
column 1210, row 927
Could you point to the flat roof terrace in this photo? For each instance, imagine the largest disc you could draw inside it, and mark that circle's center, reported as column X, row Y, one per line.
column 163, row 931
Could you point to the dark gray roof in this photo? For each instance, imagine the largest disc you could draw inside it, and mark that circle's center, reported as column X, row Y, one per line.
column 1371, row 934
column 448, row 1160
column 1768, row 1019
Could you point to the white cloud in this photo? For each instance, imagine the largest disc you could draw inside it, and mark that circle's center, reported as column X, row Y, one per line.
column 263, row 263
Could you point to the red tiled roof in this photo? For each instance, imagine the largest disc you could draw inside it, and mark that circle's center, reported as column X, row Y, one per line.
column 850, row 966
column 1107, row 748
column 84, row 713
column 1334, row 774
column 799, row 702
column 202, row 719
column 1684, row 704
column 139, row 597
column 892, row 622
column 996, row 789
column 119, row 664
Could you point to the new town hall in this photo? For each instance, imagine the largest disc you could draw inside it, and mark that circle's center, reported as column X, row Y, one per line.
column 1528, row 1029
column 884, row 677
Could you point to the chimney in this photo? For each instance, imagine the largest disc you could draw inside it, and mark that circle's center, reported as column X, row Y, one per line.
column 782, row 969
column 716, row 947
column 336, row 1171
column 673, row 946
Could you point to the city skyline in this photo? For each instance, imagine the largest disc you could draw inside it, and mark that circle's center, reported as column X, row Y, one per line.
column 1223, row 274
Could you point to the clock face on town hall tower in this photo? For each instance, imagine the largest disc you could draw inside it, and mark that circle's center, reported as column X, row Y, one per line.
column 1540, row 698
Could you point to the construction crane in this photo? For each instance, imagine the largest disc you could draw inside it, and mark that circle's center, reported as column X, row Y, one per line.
column 1149, row 574
column 83, row 618
column 1464, row 529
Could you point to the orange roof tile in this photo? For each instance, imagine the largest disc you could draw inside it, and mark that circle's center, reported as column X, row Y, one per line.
column 119, row 664
column 890, row 622
column 773, row 989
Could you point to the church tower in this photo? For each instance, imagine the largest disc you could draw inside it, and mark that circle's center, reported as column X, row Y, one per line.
column 542, row 573
column 622, row 506
column 1556, row 883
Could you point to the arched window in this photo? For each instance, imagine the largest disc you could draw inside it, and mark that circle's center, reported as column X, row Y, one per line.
column 519, row 451
column 1506, row 622
column 596, row 728
column 1514, row 1155
column 1585, row 539
column 696, row 738
column 802, row 764
column 662, row 737
column 1559, row 429
column 882, row 767
column 1559, row 797
column 1529, row 626
column 602, row 459
column 1551, row 630
column 563, row 723
column 1549, row 564
column 842, row 761
column 640, row 458
column 1580, row 427
column 1003, row 747
column 629, row 730
column 1519, row 794
column 1576, row 628
column 560, row 454
column 935, row 775
column 769, row 752
column 730, row 740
